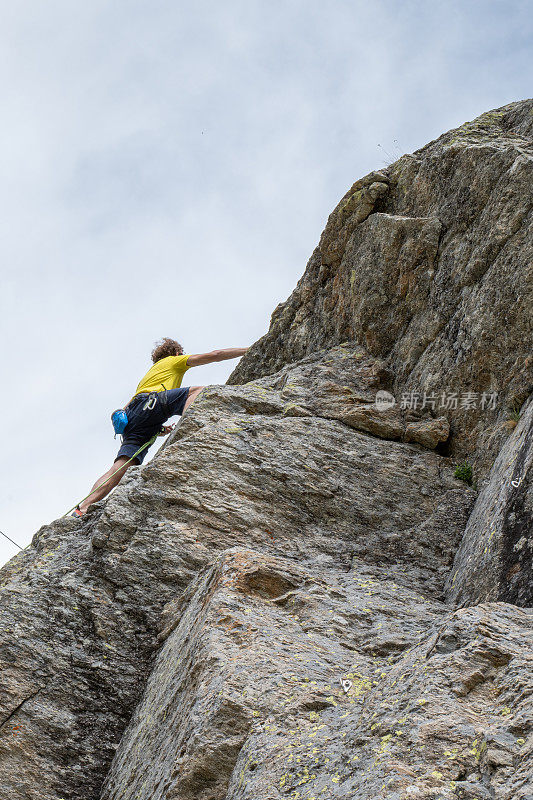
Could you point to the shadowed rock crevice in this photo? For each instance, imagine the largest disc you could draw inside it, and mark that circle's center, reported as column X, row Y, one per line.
column 495, row 557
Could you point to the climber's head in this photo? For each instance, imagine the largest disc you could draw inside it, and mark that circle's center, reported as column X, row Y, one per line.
column 166, row 347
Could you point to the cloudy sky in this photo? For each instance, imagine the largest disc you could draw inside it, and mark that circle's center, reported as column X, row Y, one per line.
column 167, row 168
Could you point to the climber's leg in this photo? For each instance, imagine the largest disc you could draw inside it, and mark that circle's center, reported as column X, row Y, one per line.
column 109, row 480
column 194, row 391
column 113, row 475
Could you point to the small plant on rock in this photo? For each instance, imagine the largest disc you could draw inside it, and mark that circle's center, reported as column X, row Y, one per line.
column 464, row 472
column 514, row 414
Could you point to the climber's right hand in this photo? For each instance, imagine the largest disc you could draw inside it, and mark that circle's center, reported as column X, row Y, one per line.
column 166, row 429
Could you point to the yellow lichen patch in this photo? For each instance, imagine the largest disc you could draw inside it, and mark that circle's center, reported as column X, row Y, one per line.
column 451, row 754
column 477, row 748
column 385, row 744
column 351, row 203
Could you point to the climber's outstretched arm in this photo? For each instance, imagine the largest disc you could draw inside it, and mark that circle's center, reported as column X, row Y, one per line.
column 215, row 355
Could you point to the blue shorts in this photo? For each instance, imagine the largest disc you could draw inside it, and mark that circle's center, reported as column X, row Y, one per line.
column 142, row 424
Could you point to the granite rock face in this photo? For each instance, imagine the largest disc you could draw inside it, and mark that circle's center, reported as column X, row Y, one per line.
column 437, row 281
column 296, row 598
column 279, row 683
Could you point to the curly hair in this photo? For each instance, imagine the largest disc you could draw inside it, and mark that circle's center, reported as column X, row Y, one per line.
column 166, row 347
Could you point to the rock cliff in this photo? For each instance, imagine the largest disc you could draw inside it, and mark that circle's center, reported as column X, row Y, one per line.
column 297, row 597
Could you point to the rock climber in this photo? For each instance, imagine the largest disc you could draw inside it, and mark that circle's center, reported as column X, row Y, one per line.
column 158, row 396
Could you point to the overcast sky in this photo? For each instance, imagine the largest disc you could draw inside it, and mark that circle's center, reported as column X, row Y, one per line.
column 167, row 168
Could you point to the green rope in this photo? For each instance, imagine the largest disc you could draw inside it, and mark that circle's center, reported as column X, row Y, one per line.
column 152, row 440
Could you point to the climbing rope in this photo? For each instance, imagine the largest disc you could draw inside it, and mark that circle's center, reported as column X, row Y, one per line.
column 11, row 540
column 147, row 444
column 141, row 448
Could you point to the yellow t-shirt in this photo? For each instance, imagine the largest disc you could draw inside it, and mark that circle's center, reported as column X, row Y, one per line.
column 167, row 373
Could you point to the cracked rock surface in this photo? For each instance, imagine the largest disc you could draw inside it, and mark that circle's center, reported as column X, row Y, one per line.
column 436, row 279
column 296, row 598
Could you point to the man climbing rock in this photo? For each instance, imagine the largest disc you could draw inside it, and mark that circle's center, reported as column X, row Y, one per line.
column 158, row 396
